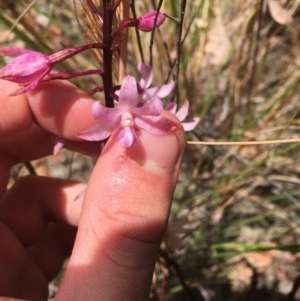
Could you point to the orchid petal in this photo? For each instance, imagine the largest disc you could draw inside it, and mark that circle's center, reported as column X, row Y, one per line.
column 16, row 51
column 156, row 125
column 109, row 119
column 27, row 88
column 129, row 96
column 181, row 115
column 96, row 133
column 183, row 111
column 191, row 125
column 161, row 91
column 153, row 107
column 58, row 144
column 99, row 111
column 171, row 107
column 147, row 75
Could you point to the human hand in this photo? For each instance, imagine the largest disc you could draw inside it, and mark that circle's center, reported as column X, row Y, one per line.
column 120, row 220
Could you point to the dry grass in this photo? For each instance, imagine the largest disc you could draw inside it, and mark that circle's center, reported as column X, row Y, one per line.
column 240, row 70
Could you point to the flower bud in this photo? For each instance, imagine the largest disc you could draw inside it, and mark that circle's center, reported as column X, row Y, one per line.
column 146, row 22
column 27, row 69
column 30, row 67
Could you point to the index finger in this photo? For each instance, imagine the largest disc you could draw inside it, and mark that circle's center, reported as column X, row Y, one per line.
column 30, row 122
column 58, row 107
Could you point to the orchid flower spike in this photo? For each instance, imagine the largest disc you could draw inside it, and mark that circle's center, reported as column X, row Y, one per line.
column 181, row 114
column 128, row 117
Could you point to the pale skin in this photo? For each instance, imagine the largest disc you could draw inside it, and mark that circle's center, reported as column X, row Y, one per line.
column 121, row 217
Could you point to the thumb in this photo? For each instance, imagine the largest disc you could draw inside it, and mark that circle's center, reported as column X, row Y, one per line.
column 123, row 219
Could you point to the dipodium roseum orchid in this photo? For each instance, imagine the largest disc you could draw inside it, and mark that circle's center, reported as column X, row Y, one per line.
column 181, row 114
column 146, row 81
column 30, row 67
column 129, row 115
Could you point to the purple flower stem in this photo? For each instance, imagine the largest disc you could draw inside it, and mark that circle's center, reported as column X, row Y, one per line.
column 95, row 10
column 179, row 45
column 95, row 90
column 153, row 31
column 58, row 56
column 68, row 75
column 124, row 24
column 137, row 33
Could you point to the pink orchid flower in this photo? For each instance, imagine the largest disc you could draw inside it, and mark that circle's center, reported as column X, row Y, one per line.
column 181, row 114
column 146, row 22
column 146, row 81
column 129, row 116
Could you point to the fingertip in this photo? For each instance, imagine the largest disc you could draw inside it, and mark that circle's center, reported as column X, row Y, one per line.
column 61, row 108
column 124, row 216
column 138, row 181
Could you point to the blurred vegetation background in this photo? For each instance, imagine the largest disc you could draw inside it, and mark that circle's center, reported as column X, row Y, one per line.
column 236, row 208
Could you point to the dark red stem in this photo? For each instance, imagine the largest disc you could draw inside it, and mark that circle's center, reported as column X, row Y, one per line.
column 107, row 78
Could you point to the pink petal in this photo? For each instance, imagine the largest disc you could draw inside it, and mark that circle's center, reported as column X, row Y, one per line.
column 106, row 115
column 161, row 91
column 147, row 75
column 26, row 88
column 183, row 111
column 109, row 120
column 128, row 96
column 96, row 133
column 58, row 145
column 156, row 125
column 127, row 136
column 189, row 126
column 16, row 51
column 152, row 107
column 97, row 109
column 171, row 107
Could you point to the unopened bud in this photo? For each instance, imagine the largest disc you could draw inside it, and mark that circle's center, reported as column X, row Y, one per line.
column 146, row 22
